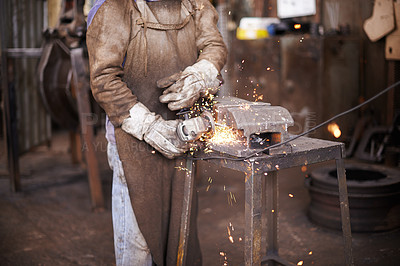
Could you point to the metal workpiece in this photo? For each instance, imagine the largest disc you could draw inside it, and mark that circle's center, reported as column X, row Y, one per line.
column 256, row 125
column 252, row 117
column 264, row 169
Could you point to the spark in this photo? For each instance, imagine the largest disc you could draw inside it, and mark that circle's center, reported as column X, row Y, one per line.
column 304, row 168
column 246, row 175
column 208, row 187
column 240, row 239
column 229, row 200
column 242, row 61
column 300, row 263
column 222, row 253
column 233, row 197
column 334, row 129
column 277, row 167
column 230, row 237
column 224, row 135
column 180, row 168
column 268, row 68
column 297, row 26
column 153, row 152
column 310, row 253
column 245, row 106
column 207, row 150
column 291, row 195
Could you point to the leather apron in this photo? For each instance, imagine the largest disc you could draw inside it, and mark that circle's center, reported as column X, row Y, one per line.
column 165, row 45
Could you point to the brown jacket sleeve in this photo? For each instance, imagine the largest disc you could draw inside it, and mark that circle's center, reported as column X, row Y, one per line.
column 107, row 41
column 209, row 41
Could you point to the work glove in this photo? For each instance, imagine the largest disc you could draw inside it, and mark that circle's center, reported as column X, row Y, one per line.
column 185, row 88
column 157, row 132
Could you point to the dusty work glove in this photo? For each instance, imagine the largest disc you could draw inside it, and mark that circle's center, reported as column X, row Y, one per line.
column 159, row 133
column 185, row 88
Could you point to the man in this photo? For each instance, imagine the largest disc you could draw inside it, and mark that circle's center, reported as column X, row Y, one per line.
column 133, row 45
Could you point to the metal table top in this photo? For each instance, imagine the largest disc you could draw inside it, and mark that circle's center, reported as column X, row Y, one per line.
column 304, row 151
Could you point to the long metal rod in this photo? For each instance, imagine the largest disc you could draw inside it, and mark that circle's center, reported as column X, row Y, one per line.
column 253, row 217
column 186, row 213
column 345, row 212
column 23, row 52
column 9, row 120
column 82, row 87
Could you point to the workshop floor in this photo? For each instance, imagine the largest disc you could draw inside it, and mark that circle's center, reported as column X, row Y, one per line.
column 51, row 222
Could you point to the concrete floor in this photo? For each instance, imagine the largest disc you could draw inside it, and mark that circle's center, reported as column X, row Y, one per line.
column 51, row 222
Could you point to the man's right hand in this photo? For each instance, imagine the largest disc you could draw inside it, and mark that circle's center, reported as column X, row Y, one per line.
column 157, row 132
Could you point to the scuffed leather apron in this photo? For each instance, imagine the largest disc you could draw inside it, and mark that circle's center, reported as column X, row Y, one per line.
column 155, row 183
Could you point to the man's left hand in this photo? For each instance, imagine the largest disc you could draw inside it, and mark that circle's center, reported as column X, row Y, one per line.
column 185, row 88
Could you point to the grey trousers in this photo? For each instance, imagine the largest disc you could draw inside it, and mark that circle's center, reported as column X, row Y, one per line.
column 129, row 243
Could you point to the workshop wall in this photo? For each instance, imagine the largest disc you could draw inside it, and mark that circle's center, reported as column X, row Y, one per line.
column 318, row 73
column 22, row 24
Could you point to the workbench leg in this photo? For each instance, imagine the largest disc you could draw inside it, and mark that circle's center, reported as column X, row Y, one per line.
column 271, row 214
column 186, row 212
column 253, row 210
column 271, row 209
column 345, row 212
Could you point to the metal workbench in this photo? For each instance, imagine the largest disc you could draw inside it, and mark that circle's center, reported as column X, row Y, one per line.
column 305, row 151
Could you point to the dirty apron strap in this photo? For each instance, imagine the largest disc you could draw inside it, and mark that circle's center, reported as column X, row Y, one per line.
column 142, row 21
column 158, row 26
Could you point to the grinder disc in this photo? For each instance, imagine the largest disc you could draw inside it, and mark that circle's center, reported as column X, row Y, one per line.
column 209, row 117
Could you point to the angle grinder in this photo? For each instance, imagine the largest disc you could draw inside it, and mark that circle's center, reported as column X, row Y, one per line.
column 192, row 129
